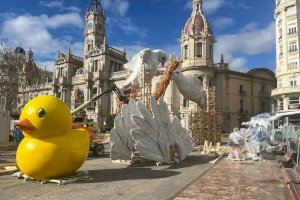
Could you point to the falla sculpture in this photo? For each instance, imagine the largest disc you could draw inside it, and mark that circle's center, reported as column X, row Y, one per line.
column 51, row 148
column 151, row 134
column 159, row 138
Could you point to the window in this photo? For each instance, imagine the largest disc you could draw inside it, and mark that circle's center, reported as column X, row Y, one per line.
column 185, row 103
column 293, row 47
column 60, row 72
column 241, row 106
column 294, row 100
column 280, row 33
column 263, row 88
column 112, row 66
column 264, row 107
column 211, row 51
column 281, row 50
column 89, row 47
column 293, row 64
column 242, row 91
column 186, row 51
column 279, row 83
column 115, row 67
column 291, row 11
column 95, row 91
column 96, row 66
column 292, row 29
column 199, row 49
column 293, row 82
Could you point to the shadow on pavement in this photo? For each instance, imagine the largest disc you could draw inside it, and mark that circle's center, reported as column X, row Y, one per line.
column 191, row 161
column 92, row 157
column 108, row 175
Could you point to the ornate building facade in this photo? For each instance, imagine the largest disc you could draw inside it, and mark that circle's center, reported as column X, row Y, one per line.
column 34, row 80
column 287, row 92
column 77, row 80
column 238, row 96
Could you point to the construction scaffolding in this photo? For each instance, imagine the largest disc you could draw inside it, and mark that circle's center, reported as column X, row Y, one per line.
column 206, row 125
column 145, row 87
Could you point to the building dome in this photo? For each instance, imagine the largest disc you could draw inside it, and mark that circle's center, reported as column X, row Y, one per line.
column 20, row 50
column 196, row 24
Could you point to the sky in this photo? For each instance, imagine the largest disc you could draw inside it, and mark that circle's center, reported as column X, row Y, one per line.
column 244, row 30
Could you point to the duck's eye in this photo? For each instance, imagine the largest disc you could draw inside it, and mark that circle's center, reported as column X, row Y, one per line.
column 41, row 113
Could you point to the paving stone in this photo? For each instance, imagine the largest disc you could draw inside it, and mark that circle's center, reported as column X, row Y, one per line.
column 239, row 180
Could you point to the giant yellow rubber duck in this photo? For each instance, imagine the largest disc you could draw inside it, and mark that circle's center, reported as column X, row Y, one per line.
column 50, row 148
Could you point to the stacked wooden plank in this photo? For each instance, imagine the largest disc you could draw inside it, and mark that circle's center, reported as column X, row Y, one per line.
column 205, row 126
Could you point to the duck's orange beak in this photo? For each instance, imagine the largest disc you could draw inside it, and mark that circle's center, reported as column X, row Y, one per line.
column 25, row 125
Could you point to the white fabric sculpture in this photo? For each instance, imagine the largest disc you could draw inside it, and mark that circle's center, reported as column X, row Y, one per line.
column 236, row 143
column 151, row 60
column 153, row 135
column 122, row 144
column 157, row 137
column 191, row 88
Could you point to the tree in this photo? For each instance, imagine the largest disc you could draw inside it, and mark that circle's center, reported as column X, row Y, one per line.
column 20, row 78
column 10, row 68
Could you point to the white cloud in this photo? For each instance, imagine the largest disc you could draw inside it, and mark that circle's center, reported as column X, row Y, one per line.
column 250, row 27
column 35, row 32
column 212, row 5
column 60, row 5
column 117, row 6
column 52, row 4
column 223, row 22
column 118, row 18
column 49, row 65
column 252, row 42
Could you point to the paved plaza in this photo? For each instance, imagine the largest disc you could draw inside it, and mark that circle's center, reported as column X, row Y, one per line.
column 112, row 181
column 195, row 178
column 239, row 180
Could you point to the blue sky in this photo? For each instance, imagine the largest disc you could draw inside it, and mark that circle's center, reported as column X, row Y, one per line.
column 244, row 29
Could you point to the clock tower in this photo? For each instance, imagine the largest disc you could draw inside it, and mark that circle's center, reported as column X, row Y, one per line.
column 95, row 27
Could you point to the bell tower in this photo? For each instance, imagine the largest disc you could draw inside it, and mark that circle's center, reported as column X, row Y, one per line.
column 197, row 39
column 95, row 27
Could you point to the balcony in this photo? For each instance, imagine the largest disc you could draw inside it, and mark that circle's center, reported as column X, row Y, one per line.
column 285, row 90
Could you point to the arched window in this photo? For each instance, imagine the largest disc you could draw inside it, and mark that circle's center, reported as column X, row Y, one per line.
column 185, row 103
column 200, row 78
column 186, row 51
column 96, row 65
column 199, row 49
column 95, row 91
column 90, row 46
